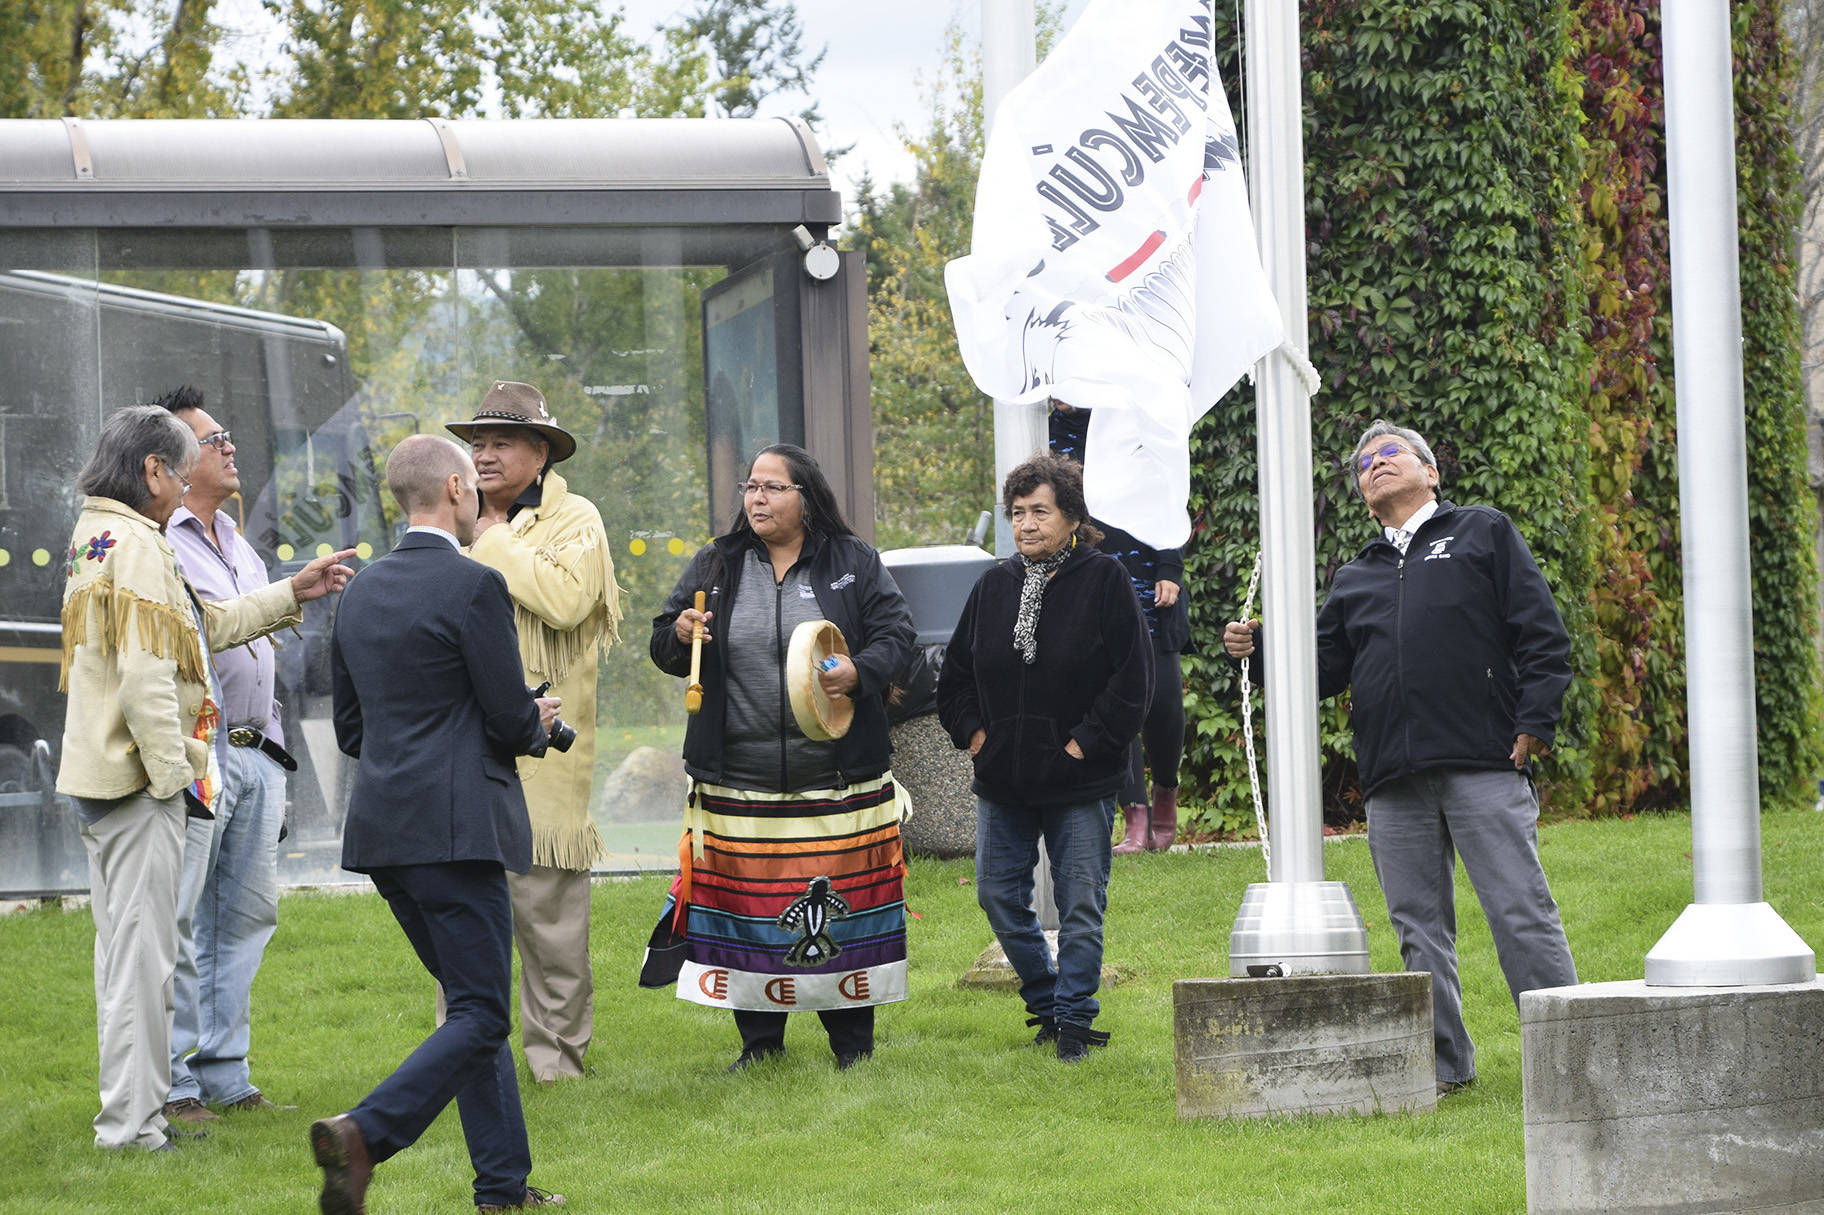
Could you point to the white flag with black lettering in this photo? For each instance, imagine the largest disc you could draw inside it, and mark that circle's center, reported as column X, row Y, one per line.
column 1113, row 263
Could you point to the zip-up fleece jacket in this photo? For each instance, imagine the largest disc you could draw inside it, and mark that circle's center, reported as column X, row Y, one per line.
column 1449, row 652
column 854, row 592
column 1092, row 682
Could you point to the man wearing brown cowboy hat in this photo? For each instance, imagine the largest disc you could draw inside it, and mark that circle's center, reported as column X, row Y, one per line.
column 551, row 546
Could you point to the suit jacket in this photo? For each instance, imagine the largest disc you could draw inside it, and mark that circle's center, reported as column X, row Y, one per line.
column 431, row 699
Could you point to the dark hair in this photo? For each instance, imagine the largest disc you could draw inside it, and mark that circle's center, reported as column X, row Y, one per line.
column 181, row 400
column 117, row 467
column 1065, row 476
column 818, row 500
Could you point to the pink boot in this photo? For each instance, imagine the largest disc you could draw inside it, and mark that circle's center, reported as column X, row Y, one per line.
column 1164, row 818
column 1136, row 830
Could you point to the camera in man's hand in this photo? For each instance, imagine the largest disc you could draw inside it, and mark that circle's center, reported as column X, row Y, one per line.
column 562, row 734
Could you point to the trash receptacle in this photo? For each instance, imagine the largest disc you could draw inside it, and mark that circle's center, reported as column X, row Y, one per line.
column 936, row 581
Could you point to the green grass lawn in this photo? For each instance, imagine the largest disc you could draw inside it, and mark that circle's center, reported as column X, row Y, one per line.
column 954, row 1113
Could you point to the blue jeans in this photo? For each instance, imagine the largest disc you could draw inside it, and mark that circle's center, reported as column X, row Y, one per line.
column 228, row 906
column 1006, row 849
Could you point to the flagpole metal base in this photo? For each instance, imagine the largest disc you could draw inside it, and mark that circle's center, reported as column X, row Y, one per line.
column 1299, row 927
column 1730, row 945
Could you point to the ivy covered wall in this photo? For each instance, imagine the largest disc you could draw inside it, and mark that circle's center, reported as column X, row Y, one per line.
column 1487, row 264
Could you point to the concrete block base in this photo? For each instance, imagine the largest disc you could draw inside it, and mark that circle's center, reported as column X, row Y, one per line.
column 1307, row 1044
column 992, row 971
column 1669, row 1099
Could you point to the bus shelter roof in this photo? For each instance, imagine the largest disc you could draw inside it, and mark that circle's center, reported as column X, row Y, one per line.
column 276, row 173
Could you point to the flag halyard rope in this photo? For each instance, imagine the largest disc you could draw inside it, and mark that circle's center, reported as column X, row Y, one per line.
column 1247, row 727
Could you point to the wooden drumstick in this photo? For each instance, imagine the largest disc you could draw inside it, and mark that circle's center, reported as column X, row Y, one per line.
column 693, row 695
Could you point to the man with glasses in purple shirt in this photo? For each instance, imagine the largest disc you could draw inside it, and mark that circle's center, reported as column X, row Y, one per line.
column 229, row 898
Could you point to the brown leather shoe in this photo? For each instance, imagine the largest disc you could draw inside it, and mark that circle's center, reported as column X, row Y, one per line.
column 342, row 1154
column 535, row 1197
column 187, row 1109
column 256, row 1100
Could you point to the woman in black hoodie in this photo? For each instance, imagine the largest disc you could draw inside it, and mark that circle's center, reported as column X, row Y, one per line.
column 1045, row 684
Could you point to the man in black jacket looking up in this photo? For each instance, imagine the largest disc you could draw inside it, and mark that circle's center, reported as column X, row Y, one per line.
column 1445, row 633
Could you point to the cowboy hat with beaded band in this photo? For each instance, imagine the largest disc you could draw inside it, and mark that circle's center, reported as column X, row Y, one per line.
column 510, row 403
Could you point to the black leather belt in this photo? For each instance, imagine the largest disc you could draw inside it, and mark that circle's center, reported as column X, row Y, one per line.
column 247, row 736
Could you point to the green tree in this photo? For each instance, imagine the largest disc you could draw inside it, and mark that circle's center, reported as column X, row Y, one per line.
column 456, row 59
column 80, row 59
column 933, row 429
column 757, row 49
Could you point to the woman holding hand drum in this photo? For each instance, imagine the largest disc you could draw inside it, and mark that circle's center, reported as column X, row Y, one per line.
column 792, row 879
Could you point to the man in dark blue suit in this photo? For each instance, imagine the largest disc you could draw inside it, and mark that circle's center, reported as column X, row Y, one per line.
column 430, row 698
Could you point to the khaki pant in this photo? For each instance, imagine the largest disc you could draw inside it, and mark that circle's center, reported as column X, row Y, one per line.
column 556, row 984
column 136, row 860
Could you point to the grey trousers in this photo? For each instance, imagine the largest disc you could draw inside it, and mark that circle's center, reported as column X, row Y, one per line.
column 1417, row 825
column 136, row 859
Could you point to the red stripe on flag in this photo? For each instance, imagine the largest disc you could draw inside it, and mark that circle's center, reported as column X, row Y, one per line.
column 1137, row 258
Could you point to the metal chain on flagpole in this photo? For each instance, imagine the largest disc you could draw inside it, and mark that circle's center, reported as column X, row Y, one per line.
column 1247, row 726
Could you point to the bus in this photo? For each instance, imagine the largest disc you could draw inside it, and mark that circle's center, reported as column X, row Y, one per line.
column 72, row 348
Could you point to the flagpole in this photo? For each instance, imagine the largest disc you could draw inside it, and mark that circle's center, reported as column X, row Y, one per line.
column 1009, row 53
column 1729, row 936
column 1296, row 921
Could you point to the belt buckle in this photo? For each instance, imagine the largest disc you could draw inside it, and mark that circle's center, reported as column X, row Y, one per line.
column 241, row 736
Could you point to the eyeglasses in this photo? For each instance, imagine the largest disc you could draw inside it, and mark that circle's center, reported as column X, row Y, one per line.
column 220, row 440
column 173, row 471
column 1387, row 450
column 771, row 488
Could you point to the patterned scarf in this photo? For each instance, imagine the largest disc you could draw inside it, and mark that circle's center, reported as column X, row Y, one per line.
column 1032, row 593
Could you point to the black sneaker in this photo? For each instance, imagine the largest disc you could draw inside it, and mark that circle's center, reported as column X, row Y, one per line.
column 1048, row 1030
column 1075, row 1040
column 845, row 1061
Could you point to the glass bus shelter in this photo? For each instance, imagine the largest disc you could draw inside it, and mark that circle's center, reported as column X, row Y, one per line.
column 334, row 286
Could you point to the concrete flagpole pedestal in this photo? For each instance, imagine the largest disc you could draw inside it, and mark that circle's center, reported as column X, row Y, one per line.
column 1306, row 1044
column 1673, row 1099
column 1700, row 1088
